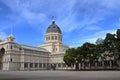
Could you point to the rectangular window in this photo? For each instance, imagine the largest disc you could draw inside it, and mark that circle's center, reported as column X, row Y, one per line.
column 11, row 47
column 44, row 65
column 36, row 65
column 64, row 65
column 31, row 65
column 52, row 37
column 40, row 65
column 25, row 65
column 56, row 49
column 59, row 65
column 49, row 38
column 55, row 37
column 11, row 60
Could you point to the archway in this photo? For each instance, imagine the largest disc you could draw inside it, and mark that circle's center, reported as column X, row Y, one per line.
column 2, row 52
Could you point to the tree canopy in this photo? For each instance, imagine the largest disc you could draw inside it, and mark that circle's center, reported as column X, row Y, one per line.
column 92, row 52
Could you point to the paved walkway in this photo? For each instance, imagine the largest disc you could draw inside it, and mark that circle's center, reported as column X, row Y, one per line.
column 59, row 75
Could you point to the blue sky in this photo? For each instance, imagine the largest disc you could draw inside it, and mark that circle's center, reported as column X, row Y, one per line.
column 80, row 20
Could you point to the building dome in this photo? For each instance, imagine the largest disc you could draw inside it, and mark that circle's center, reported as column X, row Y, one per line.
column 53, row 28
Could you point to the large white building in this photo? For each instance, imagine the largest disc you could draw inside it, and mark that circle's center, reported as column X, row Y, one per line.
column 16, row 56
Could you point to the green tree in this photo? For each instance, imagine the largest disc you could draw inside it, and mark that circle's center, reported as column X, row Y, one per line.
column 118, row 44
column 110, row 42
column 70, row 57
column 79, row 57
column 88, row 53
column 92, row 52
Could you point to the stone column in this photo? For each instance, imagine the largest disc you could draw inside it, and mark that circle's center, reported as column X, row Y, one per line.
column 110, row 64
column 103, row 65
column 28, row 66
column 22, row 66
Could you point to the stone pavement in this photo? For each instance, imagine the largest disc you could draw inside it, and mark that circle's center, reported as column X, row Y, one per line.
column 59, row 75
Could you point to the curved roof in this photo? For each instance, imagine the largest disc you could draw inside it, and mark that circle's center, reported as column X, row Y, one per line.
column 53, row 28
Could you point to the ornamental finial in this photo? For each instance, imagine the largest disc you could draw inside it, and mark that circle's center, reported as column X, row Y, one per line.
column 53, row 20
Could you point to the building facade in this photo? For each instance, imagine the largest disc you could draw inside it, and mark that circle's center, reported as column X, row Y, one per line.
column 16, row 56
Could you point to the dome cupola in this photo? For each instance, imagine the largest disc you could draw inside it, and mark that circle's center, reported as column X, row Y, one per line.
column 53, row 28
column 53, row 33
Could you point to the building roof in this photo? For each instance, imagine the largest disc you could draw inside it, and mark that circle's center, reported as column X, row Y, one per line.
column 23, row 46
column 53, row 28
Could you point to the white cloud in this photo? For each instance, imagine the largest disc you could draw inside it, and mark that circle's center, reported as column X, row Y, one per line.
column 93, row 13
column 100, row 34
column 33, row 18
column 93, row 27
column 92, row 38
column 68, row 24
column 3, row 35
column 111, row 4
column 21, row 15
column 71, row 15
